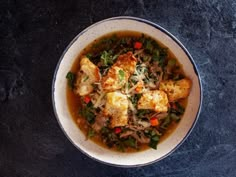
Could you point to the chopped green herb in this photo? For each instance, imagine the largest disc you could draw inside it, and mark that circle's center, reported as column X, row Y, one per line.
column 70, row 79
column 114, row 38
column 91, row 133
column 104, row 130
column 115, row 57
column 121, row 75
column 174, row 117
column 143, row 112
column 155, row 138
column 152, row 133
column 145, row 70
column 86, row 78
column 178, row 76
column 134, row 99
column 145, row 58
column 171, row 63
column 89, row 55
column 123, row 41
column 125, row 50
column 156, row 55
column 105, row 58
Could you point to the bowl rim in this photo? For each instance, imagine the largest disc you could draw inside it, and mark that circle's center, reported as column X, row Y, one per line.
column 168, row 34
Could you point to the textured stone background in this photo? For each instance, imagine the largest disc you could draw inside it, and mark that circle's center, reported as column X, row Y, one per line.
column 33, row 35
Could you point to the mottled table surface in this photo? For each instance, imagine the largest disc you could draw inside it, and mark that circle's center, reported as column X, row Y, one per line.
column 33, row 35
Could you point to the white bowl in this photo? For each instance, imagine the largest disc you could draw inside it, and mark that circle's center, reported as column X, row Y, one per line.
column 68, row 125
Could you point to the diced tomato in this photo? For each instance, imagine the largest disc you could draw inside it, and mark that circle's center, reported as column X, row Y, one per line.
column 138, row 45
column 138, row 89
column 117, row 130
column 87, row 99
column 154, row 121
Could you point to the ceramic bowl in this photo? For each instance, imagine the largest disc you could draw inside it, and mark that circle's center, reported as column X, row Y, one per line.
column 74, row 134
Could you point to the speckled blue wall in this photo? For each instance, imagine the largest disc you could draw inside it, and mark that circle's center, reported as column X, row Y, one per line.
column 33, row 35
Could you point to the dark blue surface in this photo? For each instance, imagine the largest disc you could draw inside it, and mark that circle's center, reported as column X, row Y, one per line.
column 34, row 35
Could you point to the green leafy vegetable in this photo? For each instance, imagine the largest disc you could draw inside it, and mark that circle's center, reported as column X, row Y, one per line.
column 90, row 117
column 109, row 137
column 148, row 45
column 153, row 144
column 131, row 142
column 159, row 55
column 154, row 138
column 107, row 58
column 70, row 79
column 166, row 122
column 120, row 146
column 87, row 113
column 180, row 108
column 163, row 53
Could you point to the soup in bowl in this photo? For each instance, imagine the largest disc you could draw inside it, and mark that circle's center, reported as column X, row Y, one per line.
column 126, row 92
